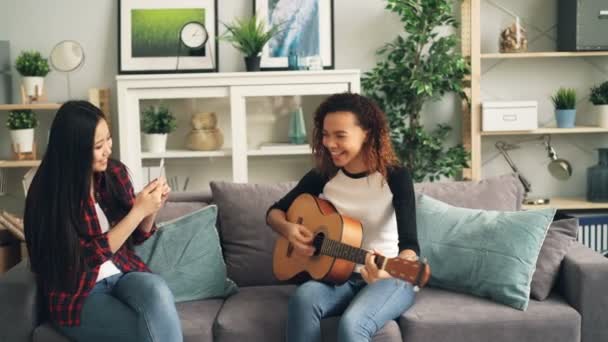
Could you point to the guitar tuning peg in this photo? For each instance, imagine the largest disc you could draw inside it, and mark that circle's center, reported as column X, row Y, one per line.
column 416, row 288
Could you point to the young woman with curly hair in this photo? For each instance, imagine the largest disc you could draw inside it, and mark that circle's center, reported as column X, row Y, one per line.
column 358, row 172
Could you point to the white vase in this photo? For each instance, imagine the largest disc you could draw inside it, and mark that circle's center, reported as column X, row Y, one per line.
column 23, row 140
column 33, row 85
column 602, row 115
column 156, row 143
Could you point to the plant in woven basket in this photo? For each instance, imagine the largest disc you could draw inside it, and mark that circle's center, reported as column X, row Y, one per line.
column 418, row 67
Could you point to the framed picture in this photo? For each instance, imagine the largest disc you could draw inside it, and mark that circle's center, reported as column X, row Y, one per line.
column 307, row 30
column 149, row 36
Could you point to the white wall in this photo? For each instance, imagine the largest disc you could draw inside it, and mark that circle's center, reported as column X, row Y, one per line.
column 360, row 28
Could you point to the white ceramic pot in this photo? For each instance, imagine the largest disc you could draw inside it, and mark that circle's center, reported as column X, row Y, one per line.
column 23, row 140
column 156, row 143
column 33, row 85
column 602, row 115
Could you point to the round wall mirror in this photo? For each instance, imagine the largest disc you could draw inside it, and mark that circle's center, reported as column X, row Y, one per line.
column 67, row 56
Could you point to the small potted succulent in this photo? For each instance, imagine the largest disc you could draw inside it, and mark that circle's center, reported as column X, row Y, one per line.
column 564, row 102
column 599, row 98
column 33, row 67
column 157, row 123
column 249, row 35
column 21, row 124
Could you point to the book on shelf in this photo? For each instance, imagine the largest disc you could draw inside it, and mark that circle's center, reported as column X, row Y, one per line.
column 284, row 146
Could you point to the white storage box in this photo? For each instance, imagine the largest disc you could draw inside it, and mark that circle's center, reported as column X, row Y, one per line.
column 509, row 115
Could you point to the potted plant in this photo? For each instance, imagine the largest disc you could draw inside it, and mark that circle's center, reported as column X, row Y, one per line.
column 249, row 36
column 564, row 102
column 418, row 67
column 157, row 123
column 599, row 98
column 21, row 124
column 33, row 67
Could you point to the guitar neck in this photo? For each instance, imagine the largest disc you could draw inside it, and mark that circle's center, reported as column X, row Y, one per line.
column 340, row 250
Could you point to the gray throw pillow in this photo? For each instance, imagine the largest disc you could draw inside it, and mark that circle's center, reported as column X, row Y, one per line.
column 247, row 241
column 559, row 238
column 504, row 193
column 173, row 210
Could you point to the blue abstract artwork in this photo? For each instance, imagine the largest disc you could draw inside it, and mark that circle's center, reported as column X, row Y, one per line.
column 299, row 22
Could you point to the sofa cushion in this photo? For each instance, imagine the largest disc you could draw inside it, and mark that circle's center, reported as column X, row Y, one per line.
column 247, row 240
column 259, row 313
column 496, row 193
column 445, row 316
column 186, row 252
column 172, row 210
column 487, row 253
column 46, row 333
column 559, row 238
column 197, row 319
column 390, row 332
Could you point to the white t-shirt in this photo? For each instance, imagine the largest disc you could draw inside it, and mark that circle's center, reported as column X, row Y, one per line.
column 108, row 268
column 385, row 207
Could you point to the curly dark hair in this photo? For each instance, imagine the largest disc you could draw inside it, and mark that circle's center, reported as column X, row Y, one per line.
column 377, row 150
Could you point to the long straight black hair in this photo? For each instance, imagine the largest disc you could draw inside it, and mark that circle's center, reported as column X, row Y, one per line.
column 54, row 209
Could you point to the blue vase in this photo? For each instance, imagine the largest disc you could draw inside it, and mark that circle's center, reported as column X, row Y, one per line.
column 565, row 118
column 597, row 179
column 297, row 127
column 292, row 60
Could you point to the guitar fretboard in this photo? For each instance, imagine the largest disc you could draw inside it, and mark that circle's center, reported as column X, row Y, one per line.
column 343, row 251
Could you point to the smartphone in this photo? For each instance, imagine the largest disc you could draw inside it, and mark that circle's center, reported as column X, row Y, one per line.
column 161, row 168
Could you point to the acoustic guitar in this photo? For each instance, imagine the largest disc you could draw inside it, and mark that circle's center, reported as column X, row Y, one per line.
column 337, row 242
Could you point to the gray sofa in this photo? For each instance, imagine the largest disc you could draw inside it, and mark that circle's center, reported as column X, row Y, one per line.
column 577, row 309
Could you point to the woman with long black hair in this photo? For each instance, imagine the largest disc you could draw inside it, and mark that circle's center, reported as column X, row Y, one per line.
column 81, row 221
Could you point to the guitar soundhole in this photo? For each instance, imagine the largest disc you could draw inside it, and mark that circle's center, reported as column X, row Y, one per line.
column 317, row 243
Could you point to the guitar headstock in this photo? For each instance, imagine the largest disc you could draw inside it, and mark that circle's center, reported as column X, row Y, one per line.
column 416, row 272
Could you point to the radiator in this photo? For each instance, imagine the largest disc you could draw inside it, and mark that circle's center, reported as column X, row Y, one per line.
column 594, row 233
column 592, row 230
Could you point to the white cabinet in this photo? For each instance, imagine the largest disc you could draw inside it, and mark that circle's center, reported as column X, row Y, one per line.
column 250, row 108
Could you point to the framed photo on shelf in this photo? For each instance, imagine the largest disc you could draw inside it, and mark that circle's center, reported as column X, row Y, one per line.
column 307, row 30
column 151, row 36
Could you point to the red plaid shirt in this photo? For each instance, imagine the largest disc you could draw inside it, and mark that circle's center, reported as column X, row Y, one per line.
column 65, row 307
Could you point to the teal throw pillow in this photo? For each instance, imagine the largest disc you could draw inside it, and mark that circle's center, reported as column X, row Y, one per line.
column 186, row 252
column 486, row 253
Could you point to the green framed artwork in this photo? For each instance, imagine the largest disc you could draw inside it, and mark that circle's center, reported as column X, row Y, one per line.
column 151, row 32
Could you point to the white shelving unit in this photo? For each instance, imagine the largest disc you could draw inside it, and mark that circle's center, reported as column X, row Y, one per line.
column 238, row 93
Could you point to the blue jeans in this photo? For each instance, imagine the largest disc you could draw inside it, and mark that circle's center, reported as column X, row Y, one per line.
column 364, row 308
column 136, row 306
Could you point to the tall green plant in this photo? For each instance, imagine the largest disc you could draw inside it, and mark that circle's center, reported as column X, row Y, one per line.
column 249, row 35
column 415, row 68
